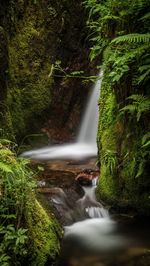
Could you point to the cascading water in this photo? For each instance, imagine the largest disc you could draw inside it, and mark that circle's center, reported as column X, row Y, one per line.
column 93, row 233
column 85, row 146
column 90, row 205
column 88, row 130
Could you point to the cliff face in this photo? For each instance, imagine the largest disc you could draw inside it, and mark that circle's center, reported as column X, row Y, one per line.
column 34, row 35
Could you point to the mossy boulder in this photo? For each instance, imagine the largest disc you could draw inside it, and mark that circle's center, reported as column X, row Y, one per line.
column 124, row 176
column 44, row 234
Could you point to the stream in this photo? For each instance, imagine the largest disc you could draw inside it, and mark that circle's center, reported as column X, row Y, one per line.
column 93, row 235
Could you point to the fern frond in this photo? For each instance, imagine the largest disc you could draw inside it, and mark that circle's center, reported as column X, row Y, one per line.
column 130, row 108
column 5, row 168
column 145, row 138
column 144, row 77
column 132, row 38
column 146, row 144
column 137, row 98
column 145, row 17
column 140, row 104
column 5, row 152
column 110, row 17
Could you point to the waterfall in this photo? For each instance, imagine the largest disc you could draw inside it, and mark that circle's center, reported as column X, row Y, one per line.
column 85, row 145
column 88, row 131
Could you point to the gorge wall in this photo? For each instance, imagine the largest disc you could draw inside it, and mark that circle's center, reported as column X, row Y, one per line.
column 33, row 36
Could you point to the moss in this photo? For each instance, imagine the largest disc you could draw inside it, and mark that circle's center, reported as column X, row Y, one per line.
column 29, row 67
column 107, row 187
column 136, row 185
column 119, row 145
column 44, row 233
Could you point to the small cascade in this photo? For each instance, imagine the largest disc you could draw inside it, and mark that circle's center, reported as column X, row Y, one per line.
column 96, row 235
column 85, row 145
column 82, row 209
column 90, row 205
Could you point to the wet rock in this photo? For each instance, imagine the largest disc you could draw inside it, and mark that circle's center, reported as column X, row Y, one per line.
column 86, row 178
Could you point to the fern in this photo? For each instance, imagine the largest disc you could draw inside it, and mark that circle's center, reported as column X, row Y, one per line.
column 140, row 104
column 132, row 38
column 5, row 152
column 146, row 140
column 5, row 168
column 109, row 158
column 145, row 17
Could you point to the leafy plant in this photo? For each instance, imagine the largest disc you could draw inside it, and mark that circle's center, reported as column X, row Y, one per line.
column 132, row 38
column 109, row 158
column 13, row 243
column 140, row 105
column 16, row 185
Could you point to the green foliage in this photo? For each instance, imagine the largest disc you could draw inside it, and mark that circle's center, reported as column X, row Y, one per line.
column 132, row 38
column 119, row 34
column 16, row 185
column 13, row 243
column 140, row 105
column 109, row 158
column 27, row 233
column 58, row 71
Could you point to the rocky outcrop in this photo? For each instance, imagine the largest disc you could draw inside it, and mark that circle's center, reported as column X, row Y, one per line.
column 41, row 33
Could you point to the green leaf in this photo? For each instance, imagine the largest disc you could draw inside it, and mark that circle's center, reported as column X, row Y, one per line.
column 5, row 168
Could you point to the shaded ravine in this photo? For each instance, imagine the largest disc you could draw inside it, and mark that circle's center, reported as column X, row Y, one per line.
column 85, row 145
column 91, row 235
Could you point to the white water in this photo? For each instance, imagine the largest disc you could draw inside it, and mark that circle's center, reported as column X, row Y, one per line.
column 96, row 236
column 85, row 146
column 89, row 203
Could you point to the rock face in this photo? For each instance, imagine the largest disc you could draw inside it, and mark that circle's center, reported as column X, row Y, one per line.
column 3, row 66
column 86, row 177
column 40, row 33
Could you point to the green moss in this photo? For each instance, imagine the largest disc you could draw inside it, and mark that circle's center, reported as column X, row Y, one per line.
column 29, row 67
column 107, row 187
column 44, row 233
column 136, row 185
column 124, row 176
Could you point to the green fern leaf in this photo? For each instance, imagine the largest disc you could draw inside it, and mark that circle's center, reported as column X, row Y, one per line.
column 132, row 38
column 5, row 152
column 146, row 144
column 145, row 17
column 130, row 108
column 145, row 138
column 5, row 168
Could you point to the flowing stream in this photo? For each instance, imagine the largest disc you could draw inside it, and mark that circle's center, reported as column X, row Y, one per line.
column 85, row 145
column 92, row 236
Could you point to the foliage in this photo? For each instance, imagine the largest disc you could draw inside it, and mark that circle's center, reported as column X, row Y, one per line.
column 58, row 71
column 132, row 38
column 12, row 243
column 27, row 233
column 16, row 184
column 140, row 105
column 119, row 34
column 109, row 158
